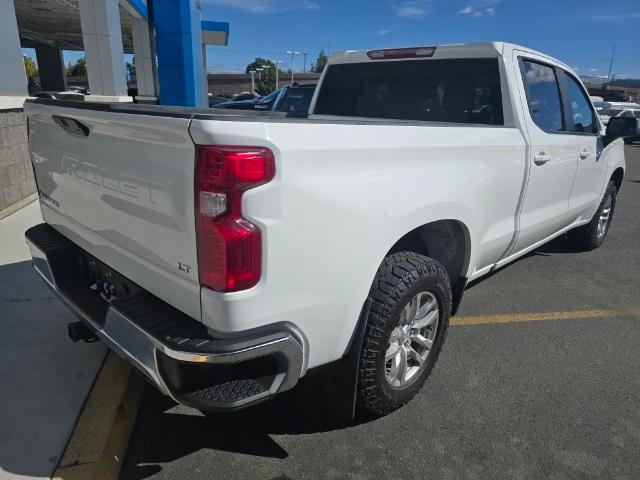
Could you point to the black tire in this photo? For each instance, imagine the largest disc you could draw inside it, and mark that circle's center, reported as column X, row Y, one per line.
column 399, row 279
column 587, row 236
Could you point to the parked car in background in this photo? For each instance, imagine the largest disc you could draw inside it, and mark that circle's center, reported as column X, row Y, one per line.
column 615, row 109
column 227, row 255
column 245, row 96
column 597, row 103
column 78, row 89
column 616, row 96
column 79, row 97
column 291, row 98
column 216, row 100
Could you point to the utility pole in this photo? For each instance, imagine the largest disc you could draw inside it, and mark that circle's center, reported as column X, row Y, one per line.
column 293, row 53
column 328, row 48
column 611, row 65
column 305, row 62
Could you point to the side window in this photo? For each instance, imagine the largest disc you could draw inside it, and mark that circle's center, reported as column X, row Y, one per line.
column 582, row 115
column 627, row 113
column 543, row 95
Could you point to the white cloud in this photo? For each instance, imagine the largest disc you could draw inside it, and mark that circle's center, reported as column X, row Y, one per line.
column 411, row 11
column 539, row 73
column 383, row 32
column 594, row 69
column 266, row 6
column 410, row 8
column 615, row 17
column 480, row 8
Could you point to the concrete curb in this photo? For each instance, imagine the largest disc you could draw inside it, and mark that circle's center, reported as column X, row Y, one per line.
column 100, row 438
column 18, row 205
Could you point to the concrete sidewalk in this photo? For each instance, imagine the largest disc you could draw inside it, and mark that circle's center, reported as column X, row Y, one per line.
column 45, row 378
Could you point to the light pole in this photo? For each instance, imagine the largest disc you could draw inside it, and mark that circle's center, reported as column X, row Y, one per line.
column 253, row 81
column 293, row 53
column 275, row 64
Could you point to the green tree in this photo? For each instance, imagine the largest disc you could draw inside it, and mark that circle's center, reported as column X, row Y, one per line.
column 266, row 80
column 320, row 62
column 30, row 67
column 79, row 69
column 131, row 69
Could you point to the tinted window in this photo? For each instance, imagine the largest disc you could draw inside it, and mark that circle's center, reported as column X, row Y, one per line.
column 543, row 96
column 271, row 97
column 637, row 113
column 297, row 100
column 581, row 112
column 458, row 91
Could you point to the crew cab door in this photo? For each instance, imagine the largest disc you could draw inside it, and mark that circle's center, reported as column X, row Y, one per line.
column 584, row 129
column 552, row 151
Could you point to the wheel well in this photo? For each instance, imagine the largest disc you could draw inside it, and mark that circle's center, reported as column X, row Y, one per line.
column 617, row 177
column 446, row 241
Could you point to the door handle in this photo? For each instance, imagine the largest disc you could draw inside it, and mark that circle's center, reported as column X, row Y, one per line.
column 584, row 154
column 541, row 158
column 71, row 125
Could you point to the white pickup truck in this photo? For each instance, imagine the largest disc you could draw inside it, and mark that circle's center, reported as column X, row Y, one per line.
column 227, row 254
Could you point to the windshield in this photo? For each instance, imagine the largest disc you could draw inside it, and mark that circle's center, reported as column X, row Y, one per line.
column 271, row 97
column 612, row 112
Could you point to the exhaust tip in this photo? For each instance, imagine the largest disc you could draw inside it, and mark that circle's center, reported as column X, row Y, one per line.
column 79, row 331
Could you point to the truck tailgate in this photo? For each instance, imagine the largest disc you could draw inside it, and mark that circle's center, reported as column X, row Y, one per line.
column 120, row 185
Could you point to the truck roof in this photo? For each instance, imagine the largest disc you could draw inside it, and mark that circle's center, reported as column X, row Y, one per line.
column 454, row 50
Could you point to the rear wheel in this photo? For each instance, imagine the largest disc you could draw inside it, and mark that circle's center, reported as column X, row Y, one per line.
column 591, row 235
column 408, row 319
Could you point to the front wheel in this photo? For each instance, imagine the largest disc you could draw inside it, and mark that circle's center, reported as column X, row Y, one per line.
column 591, row 235
column 408, row 319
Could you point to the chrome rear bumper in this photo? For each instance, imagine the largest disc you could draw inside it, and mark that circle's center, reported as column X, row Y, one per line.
column 175, row 352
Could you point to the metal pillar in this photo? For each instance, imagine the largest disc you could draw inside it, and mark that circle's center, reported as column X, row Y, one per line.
column 51, row 68
column 143, row 57
column 179, row 50
column 102, row 39
column 13, row 81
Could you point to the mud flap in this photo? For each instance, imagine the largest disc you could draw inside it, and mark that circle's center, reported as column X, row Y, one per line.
column 337, row 383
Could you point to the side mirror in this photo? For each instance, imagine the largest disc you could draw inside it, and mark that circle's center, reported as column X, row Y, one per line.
column 620, row 127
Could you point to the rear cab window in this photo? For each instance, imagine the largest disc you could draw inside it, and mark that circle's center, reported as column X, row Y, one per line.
column 448, row 90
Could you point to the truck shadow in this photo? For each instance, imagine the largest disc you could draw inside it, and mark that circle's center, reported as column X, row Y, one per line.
column 166, row 431
column 556, row 246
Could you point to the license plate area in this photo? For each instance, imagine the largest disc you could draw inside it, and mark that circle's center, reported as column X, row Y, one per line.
column 105, row 282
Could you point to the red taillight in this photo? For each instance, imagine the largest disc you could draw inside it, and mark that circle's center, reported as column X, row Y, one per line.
column 392, row 53
column 229, row 246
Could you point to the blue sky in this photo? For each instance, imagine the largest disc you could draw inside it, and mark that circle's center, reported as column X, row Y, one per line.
column 580, row 33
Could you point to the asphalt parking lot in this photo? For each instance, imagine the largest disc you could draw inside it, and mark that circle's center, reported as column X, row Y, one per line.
column 514, row 395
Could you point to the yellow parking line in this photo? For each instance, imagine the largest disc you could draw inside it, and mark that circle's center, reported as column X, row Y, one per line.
column 542, row 316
